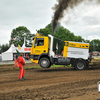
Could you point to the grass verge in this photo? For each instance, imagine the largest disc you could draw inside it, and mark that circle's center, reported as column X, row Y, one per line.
column 15, row 68
column 53, row 66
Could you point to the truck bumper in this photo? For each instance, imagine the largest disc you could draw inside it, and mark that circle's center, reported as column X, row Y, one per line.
column 35, row 61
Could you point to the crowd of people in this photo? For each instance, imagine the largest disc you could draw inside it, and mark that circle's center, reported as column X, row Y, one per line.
column 59, row 55
column 26, row 56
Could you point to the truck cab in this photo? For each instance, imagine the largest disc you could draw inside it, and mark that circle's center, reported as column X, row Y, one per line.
column 42, row 48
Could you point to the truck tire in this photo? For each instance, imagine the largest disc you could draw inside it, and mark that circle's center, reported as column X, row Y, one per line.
column 44, row 62
column 80, row 65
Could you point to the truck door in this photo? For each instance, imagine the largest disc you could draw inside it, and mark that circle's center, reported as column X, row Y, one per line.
column 39, row 47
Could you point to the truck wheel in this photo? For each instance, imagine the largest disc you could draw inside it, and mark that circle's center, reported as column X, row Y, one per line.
column 80, row 65
column 44, row 63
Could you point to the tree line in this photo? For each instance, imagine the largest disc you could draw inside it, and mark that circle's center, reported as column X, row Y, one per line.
column 66, row 35
column 4, row 47
column 61, row 34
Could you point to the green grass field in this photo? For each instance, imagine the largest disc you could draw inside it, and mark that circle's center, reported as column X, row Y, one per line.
column 14, row 68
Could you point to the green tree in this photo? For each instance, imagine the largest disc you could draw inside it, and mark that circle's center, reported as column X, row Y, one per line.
column 4, row 47
column 18, row 34
column 0, row 48
column 96, row 46
column 47, row 30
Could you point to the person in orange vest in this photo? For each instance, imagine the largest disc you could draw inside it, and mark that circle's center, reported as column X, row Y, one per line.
column 20, row 62
column 21, row 66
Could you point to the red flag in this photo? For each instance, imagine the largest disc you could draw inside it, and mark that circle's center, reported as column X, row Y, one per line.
column 16, row 63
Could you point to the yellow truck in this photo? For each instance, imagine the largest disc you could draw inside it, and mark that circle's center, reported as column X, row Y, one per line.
column 75, row 53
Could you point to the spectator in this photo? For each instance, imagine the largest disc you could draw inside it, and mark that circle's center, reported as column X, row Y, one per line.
column 21, row 66
column 62, row 52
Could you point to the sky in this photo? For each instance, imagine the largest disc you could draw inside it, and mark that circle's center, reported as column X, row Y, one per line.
column 83, row 20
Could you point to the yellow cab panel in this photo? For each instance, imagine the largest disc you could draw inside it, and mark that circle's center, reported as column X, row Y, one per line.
column 40, row 45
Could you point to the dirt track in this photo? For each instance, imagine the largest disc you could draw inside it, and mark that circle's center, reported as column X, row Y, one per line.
column 50, row 84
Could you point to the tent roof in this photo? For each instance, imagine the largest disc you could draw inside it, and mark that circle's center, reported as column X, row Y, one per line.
column 12, row 49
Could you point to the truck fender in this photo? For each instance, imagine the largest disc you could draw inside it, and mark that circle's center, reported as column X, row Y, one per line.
column 43, row 55
column 46, row 55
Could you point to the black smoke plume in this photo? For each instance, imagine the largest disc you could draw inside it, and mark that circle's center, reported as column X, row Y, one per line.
column 62, row 6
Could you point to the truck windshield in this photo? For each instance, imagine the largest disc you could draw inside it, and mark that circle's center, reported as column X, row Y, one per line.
column 39, row 42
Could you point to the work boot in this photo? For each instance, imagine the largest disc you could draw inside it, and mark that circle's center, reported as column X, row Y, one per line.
column 23, row 78
column 20, row 79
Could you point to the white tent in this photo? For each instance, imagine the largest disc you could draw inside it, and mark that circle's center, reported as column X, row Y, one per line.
column 8, row 55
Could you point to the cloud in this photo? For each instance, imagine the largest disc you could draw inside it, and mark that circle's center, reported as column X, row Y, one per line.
column 84, row 20
column 36, row 14
column 33, row 14
column 91, row 20
column 91, row 37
